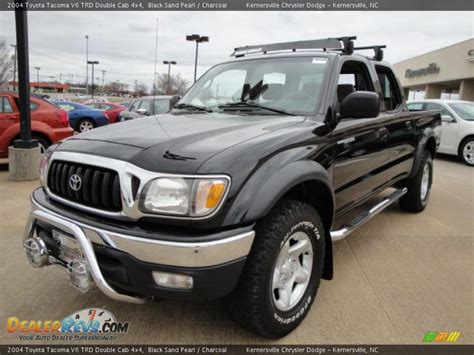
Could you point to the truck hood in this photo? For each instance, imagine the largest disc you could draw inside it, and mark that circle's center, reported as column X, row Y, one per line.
column 175, row 143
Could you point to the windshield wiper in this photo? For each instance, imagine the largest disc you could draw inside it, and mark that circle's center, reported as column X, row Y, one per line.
column 184, row 106
column 254, row 105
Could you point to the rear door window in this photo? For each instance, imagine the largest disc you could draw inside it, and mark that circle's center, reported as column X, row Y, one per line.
column 415, row 106
column 67, row 107
column 391, row 92
column 434, row 106
column 5, row 105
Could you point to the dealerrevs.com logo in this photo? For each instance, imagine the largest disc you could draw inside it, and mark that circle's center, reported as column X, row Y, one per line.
column 86, row 324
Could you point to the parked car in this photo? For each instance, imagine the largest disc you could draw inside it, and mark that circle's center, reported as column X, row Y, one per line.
column 112, row 110
column 83, row 118
column 148, row 106
column 241, row 190
column 96, row 100
column 49, row 124
column 457, row 133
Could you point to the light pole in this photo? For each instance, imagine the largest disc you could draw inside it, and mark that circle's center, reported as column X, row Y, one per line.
column 51, row 77
column 87, row 64
column 198, row 39
column 103, row 79
column 60, row 77
column 169, row 63
column 14, row 67
column 37, row 74
column 92, row 62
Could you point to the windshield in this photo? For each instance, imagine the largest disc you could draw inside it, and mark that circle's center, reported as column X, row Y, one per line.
column 290, row 85
column 465, row 110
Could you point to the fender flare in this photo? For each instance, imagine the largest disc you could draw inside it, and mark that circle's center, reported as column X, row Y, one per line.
column 281, row 183
column 428, row 134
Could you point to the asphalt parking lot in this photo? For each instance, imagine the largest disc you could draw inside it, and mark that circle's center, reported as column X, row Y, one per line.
column 398, row 277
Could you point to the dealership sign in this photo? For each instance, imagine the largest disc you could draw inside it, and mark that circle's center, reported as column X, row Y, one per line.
column 432, row 68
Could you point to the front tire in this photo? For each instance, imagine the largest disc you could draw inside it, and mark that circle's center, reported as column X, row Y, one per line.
column 466, row 151
column 283, row 271
column 419, row 186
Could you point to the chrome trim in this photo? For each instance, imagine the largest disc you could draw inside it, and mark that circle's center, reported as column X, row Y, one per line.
column 87, row 250
column 367, row 215
column 125, row 171
column 180, row 254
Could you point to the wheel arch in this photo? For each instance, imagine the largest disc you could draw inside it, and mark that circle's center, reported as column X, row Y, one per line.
column 318, row 195
column 305, row 181
column 464, row 140
column 427, row 142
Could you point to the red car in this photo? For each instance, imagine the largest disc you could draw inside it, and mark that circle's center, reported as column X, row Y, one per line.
column 111, row 110
column 49, row 124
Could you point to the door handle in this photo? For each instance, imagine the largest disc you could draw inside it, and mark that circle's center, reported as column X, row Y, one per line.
column 8, row 118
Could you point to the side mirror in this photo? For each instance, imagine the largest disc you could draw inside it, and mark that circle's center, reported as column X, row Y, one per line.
column 142, row 111
column 448, row 119
column 361, row 104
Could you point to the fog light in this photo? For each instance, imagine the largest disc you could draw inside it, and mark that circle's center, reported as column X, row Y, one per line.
column 170, row 280
column 79, row 275
column 36, row 252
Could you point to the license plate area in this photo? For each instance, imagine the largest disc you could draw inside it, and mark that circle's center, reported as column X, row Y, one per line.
column 67, row 247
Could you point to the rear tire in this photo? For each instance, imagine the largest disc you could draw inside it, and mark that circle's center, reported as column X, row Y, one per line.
column 85, row 125
column 419, row 186
column 466, row 151
column 283, row 271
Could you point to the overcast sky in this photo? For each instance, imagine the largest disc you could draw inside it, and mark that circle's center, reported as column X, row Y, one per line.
column 124, row 42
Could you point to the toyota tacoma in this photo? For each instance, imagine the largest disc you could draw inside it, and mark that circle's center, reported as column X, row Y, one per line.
column 241, row 190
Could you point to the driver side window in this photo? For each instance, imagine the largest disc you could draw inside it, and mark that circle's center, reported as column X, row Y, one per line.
column 354, row 77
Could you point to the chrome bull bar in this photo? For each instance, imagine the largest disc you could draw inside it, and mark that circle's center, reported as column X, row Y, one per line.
column 86, row 248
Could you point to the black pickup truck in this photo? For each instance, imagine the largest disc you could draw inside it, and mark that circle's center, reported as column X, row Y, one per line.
column 242, row 188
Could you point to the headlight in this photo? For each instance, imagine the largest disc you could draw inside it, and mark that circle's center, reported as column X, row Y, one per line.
column 44, row 163
column 181, row 196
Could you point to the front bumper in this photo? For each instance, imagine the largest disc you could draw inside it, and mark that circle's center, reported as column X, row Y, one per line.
column 121, row 263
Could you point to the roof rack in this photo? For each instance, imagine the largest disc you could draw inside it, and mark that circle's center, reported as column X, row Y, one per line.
column 344, row 44
column 378, row 52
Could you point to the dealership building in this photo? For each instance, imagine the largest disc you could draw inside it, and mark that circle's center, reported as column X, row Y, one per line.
column 445, row 71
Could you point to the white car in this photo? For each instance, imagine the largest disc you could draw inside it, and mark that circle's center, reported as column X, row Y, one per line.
column 457, row 132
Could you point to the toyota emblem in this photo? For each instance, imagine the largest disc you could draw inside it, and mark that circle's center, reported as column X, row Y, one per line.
column 75, row 182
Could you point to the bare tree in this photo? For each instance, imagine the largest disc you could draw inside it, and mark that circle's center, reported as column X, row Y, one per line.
column 140, row 89
column 6, row 63
column 115, row 88
column 178, row 85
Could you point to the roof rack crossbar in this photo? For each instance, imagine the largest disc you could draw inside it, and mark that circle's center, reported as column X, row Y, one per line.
column 378, row 52
column 346, row 44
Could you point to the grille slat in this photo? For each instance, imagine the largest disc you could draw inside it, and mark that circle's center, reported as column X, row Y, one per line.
column 95, row 188
column 98, row 187
column 106, row 188
column 86, row 191
column 64, row 182
column 116, row 192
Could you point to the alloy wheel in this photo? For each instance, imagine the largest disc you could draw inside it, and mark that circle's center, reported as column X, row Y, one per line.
column 292, row 271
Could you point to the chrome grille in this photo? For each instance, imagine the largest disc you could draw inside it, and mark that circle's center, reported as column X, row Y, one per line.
column 97, row 187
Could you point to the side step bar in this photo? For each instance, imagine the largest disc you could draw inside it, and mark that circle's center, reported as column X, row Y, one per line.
column 367, row 215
